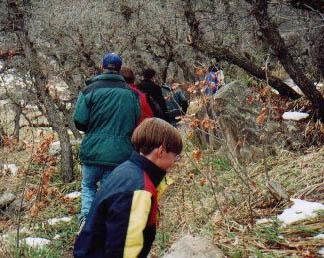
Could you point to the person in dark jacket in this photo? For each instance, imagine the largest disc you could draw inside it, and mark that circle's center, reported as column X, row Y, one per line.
column 146, row 111
column 176, row 102
column 123, row 218
column 154, row 95
column 108, row 111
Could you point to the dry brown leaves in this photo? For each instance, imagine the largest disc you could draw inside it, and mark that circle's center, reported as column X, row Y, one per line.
column 41, row 154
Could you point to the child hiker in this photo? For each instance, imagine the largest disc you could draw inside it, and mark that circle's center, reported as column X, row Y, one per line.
column 123, row 218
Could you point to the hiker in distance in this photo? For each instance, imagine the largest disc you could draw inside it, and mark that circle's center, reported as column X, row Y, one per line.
column 107, row 110
column 123, row 218
column 153, row 94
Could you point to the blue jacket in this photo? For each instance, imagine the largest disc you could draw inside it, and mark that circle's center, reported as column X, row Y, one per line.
column 122, row 220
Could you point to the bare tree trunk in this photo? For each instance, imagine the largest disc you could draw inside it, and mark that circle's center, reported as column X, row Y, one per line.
column 66, row 155
column 2, row 134
column 52, row 109
column 18, row 111
column 274, row 39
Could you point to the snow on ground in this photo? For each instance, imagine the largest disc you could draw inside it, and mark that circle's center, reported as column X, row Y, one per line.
column 56, row 237
column 73, row 195
column 294, row 116
column 299, row 211
column 12, row 168
column 321, row 251
column 36, row 241
column 263, row 221
column 58, row 220
column 319, row 236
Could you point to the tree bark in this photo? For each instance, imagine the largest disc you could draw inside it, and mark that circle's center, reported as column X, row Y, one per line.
column 18, row 111
column 274, row 39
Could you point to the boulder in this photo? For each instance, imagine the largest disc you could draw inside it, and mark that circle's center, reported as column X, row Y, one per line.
column 193, row 247
column 6, row 199
column 236, row 109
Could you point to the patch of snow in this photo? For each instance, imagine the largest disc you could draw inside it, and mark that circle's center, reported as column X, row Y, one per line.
column 319, row 85
column 35, row 242
column 12, row 168
column 294, row 116
column 321, row 251
column 275, row 91
column 57, row 220
column 56, row 237
column 263, row 220
column 73, row 195
column 299, row 211
column 25, row 230
column 294, row 86
column 319, row 236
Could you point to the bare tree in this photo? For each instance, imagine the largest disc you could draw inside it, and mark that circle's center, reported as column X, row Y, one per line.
column 273, row 38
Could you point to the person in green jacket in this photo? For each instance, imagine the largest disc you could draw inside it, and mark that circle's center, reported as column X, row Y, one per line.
column 107, row 110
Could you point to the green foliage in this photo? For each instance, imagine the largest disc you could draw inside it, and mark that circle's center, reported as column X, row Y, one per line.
column 268, row 233
column 236, row 253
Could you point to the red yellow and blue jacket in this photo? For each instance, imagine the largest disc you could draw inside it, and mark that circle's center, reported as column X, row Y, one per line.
column 122, row 220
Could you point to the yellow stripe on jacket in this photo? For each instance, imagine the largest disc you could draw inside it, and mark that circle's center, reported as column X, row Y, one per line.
column 140, row 210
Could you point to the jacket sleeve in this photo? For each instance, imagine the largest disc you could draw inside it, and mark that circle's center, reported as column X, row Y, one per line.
column 125, row 222
column 81, row 114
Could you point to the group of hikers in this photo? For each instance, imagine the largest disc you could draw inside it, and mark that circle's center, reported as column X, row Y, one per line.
column 130, row 142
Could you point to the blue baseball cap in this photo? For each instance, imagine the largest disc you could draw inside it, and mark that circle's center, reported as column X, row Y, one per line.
column 112, row 61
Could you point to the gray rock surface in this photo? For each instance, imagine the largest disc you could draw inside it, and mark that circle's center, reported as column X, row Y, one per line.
column 193, row 247
column 236, row 109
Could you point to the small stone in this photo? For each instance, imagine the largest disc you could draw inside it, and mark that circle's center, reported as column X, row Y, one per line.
column 194, row 247
column 56, row 237
column 73, row 195
column 55, row 148
column 58, row 220
column 36, row 242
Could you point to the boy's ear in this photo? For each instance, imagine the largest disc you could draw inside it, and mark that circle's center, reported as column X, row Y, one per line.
column 160, row 151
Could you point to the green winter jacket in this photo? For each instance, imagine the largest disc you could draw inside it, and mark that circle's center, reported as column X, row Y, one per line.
column 107, row 110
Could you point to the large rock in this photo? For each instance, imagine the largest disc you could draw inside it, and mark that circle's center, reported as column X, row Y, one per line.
column 236, row 108
column 6, row 199
column 194, row 247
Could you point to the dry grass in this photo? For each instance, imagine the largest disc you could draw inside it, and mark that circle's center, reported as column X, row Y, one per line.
column 208, row 199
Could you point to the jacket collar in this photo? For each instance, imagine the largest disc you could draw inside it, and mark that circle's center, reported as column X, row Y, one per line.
column 155, row 173
column 106, row 76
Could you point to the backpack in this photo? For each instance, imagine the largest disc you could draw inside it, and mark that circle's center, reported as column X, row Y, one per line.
column 155, row 106
column 176, row 102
